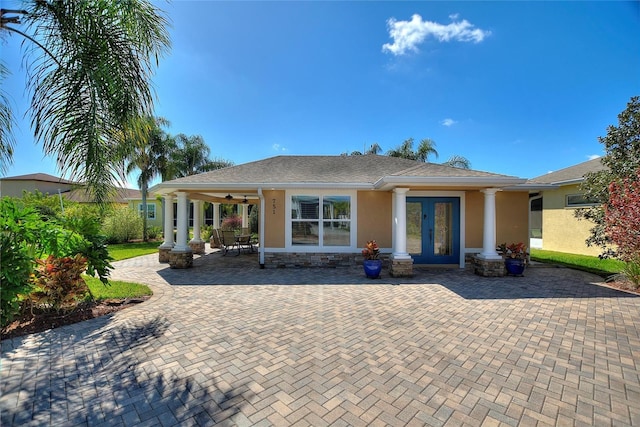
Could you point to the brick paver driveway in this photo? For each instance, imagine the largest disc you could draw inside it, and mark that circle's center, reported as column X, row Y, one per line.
column 241, row 346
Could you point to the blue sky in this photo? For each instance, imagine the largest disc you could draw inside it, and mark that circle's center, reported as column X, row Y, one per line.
column 518, row 88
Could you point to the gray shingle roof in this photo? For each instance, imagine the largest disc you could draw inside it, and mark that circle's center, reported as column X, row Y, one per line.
column 38, row 177
column 366, row 169
column 571, row 174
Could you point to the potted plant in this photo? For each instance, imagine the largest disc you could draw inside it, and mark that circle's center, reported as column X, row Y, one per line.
column 372, row 265
column 515, row 257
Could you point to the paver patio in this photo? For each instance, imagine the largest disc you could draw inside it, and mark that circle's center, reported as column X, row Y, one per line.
column 242, row 346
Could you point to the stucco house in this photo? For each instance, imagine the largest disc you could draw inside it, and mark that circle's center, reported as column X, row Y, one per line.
column 15, row 186
column 321, row 210
column 553, row 225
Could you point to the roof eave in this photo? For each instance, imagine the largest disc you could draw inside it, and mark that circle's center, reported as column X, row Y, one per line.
column 170, row 187
column 389, row 182
column 527, row 186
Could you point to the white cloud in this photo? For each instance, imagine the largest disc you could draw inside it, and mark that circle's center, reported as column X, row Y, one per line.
column 407, row 35
column 593, row 156
column 278, row 147
column 448, row 122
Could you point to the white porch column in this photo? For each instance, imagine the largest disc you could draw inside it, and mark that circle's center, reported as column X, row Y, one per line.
column 197, row 220
column 400, row 224
column 183, row 223
column 168, row 222
column 489, row 230
column 216, row 215
column 245, row 215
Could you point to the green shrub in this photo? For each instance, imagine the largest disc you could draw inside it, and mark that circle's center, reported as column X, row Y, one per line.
column 29, row 233
column 58, row 283
column 631, row 272
column 253, row 219
column 19, row 228
column 154, row 232
column 205, row 232
column 122, row 225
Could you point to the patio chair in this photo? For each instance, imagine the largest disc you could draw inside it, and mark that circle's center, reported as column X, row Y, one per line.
column 215, row 239
column 229, row 242
column 244, row 242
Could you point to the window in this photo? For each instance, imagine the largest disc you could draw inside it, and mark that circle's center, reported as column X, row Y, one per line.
column 151, row 210
column 578, row 200
column 321, row 220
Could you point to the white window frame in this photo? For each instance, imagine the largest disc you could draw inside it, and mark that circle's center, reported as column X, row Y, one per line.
column 290, row 247
column 151, row 210
column 576, row 205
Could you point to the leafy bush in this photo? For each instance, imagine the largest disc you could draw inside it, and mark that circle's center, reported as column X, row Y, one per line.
column 232, row 222
column 27, row 235
column 205, row 232
column 253, row 219
column 630, row 273
column 154, row 232
column 122, row 225
column 93, row 245
column 19, row 228
column 58, row 283
column 622, row 217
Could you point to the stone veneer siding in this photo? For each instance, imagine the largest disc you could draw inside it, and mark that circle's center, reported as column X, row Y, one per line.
column 488, row 267
column 314, row 259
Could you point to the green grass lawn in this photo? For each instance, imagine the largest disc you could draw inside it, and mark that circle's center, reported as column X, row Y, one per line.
column 116, row 289
column 592, row 264
column 130, row 250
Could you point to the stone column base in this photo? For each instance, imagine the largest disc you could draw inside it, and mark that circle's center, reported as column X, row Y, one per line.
column 197, row 247
column 180, row 259
column 400, row 267
column 488, row 267
column 163, row 254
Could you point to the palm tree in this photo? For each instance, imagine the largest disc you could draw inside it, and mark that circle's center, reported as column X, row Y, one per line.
column 89, row 64
column 7, row 141
column 405, row 150
column 150, row 154
column 192, row 156
column 458, row 162
column 374, row 149
column 426, row 148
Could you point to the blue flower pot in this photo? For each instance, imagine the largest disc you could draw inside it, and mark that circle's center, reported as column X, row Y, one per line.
column 514, row 266
column 372, row 268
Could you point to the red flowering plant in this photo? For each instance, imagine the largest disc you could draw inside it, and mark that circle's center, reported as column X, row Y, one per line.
column 514, row 250
column 371, row 250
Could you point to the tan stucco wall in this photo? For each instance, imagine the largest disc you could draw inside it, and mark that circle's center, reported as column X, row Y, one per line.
column 561, row 231
column 274, row 218
column 474, row 218
column 374, row 218
column 512, row 217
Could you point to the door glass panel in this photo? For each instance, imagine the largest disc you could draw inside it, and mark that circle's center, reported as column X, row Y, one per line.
column 414, row 228
column 442, row 232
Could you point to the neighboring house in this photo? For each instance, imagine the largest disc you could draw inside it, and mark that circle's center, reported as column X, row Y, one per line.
column 15, row 186
column 321, row 210
column 553, row 225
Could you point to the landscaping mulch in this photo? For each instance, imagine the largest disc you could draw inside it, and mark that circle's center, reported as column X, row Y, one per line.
column 39, row 321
